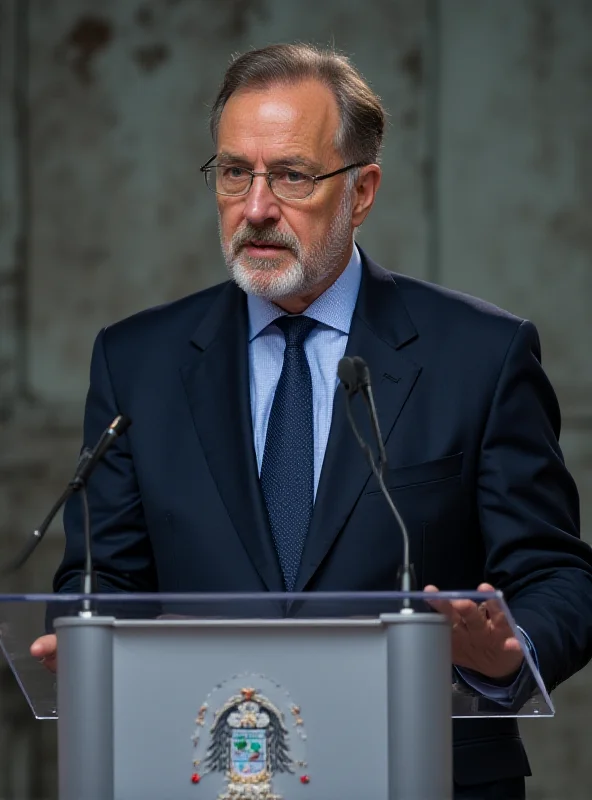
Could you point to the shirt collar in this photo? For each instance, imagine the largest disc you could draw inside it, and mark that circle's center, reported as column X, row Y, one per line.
column 334, row 308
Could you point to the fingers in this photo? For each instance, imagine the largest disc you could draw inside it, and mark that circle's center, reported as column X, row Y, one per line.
column 482, row 639
column 466, row 615
column 461, row 613
column 497, row 617
column 443, row 606
column 471, row 612
column 44, row 647
column 494, row 608
column 438, row 605
column 474, row 617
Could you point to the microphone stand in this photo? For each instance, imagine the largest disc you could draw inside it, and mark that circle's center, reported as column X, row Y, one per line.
column 84, row 469
column 38, row 534
column 419, row 654
column 88, row 577
column 361, row 382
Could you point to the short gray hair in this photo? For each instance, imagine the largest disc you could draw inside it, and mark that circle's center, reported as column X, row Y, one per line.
column 362, row 117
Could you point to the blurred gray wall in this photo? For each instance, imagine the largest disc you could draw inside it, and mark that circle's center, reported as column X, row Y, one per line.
column 103, row 127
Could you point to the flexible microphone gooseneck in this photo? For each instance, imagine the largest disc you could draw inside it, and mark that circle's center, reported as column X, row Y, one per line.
column 365, row 387
column 355, row 377
column 86, row 464
column 78, row 483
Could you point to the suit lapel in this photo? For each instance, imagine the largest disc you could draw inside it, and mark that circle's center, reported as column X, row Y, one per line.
column 217, row 385
column 380, row 327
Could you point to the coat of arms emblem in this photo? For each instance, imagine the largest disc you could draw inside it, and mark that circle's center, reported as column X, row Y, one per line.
column 249, row 744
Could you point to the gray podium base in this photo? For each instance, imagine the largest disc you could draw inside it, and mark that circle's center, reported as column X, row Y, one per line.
column 374, row 695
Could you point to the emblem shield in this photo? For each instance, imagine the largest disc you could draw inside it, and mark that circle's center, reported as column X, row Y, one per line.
column 249, row 752
column 249, row 737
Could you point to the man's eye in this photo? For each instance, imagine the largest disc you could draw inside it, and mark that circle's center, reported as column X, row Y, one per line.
column 234, row 172
column 290, row 176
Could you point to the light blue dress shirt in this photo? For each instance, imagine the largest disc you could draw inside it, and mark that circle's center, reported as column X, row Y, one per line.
column 324, row 348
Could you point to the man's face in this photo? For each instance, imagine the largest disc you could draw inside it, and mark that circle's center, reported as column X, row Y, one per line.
column 281, row 248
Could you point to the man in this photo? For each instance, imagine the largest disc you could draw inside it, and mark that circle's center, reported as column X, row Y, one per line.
column 240, row 473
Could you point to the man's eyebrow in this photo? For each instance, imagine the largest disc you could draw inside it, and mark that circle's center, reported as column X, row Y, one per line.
column 236, row 159
column 285, row 161
column 294, row 161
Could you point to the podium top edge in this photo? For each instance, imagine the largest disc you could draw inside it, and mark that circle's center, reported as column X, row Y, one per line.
column 319, row 622
column 250, row 597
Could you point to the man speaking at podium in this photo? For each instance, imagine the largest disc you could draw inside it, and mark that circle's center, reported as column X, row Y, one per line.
column 240, row 472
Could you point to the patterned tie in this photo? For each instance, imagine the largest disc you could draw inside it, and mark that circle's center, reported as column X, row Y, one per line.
column 287, row 470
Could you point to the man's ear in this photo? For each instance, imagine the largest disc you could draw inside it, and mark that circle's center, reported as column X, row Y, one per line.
column 365, row 192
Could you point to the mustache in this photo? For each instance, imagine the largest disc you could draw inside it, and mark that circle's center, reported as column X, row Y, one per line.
column 270, row 235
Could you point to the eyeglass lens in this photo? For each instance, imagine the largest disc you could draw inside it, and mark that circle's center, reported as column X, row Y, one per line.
column 286, row 183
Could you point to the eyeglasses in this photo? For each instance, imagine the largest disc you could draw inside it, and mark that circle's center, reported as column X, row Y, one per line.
column 284, row 182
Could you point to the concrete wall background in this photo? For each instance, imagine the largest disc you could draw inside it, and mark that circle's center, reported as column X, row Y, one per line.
column 487, row 188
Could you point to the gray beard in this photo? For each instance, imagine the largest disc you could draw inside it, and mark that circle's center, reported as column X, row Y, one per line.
column 309, row 268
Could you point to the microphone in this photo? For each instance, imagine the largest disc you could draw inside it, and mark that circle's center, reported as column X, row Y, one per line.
column 86, row 464
column 355, row 377
column 348, row 375
column 78, row 483
column 90, row 458
column 365, row 385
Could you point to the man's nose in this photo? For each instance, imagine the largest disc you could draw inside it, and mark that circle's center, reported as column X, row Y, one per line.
column 261, row 205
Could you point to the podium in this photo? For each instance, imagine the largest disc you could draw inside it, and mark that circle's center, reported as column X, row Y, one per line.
column 313, row 696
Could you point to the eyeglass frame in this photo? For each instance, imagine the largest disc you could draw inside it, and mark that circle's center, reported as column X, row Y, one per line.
column 208, row 167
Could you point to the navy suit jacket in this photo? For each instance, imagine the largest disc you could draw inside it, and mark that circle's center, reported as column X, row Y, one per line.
column 471, row 426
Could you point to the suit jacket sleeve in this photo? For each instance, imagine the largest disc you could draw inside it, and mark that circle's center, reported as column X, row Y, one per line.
column 121, row 547
column 529, row 511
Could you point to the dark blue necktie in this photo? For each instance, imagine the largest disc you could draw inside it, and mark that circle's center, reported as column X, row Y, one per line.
column 287, row 470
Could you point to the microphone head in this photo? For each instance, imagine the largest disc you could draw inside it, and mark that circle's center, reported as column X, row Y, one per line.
column 120, row 424
column 362, row 371
column 346, row 372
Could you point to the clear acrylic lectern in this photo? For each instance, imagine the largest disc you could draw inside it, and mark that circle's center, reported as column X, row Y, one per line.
column 259, row 697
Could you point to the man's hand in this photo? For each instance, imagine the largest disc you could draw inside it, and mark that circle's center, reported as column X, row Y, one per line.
column 46, row 650
column 482, row 640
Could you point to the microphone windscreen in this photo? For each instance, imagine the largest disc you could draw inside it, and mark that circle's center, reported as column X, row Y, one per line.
column 362, row 371
column 346, row 372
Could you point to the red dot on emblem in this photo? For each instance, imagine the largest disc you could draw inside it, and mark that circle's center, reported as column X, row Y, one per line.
column 195, row 778
column 304, row 779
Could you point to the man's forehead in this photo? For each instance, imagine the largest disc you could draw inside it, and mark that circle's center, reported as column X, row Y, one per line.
column 304, row 113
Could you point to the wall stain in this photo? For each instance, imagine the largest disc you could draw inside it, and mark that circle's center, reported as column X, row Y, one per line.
column 88, row 37
column 541, row 50
column 572, row 227
column 151, row 56
column 543, row 39
column 410, row 119
column 412, row 65
column 238, row 17
column 145, row 16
